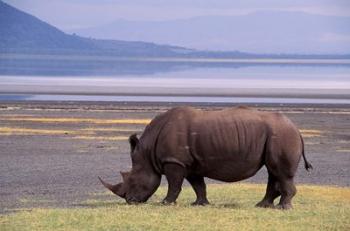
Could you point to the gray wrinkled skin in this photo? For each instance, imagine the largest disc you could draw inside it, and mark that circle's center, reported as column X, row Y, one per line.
column 228, row 145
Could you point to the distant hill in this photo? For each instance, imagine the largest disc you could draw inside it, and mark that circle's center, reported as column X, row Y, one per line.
column 257, row 32
column 23, row 33
column 20, row 30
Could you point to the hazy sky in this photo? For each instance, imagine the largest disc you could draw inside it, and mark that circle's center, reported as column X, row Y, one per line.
column 71, row 14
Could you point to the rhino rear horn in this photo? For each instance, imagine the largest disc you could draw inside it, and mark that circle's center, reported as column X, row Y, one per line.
column 125, row 175
column 116, row 189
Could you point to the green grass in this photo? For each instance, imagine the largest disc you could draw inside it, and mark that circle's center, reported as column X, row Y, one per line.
column 232, row 208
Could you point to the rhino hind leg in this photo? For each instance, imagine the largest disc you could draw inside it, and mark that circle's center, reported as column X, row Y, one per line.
column 288, row 191
column 175, row 175
column 281, row 161
column 199, row 187
column 272, row 192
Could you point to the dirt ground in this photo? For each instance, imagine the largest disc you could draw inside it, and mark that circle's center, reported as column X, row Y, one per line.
column 52, row 153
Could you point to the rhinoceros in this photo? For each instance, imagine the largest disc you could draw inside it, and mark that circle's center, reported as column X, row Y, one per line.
column 227, row 145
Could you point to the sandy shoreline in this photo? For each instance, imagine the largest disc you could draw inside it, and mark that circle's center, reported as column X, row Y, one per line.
column 306, row 93
column 52, row 152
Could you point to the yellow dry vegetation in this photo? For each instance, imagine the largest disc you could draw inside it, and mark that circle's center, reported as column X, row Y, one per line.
column 29, row 131
column 310, row 133
column 343, row 150
column 81, row 120
column 17, row 115
column 111, row 129
column 115, row 138
column 83, row 134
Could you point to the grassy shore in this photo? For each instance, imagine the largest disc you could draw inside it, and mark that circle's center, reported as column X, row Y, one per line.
column 232, row 208
column 52, row 153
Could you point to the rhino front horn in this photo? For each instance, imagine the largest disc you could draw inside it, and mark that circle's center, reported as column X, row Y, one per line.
column 116, row 189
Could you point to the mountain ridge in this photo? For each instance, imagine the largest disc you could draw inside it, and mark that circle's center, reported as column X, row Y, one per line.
column 258, row 32
column 22, row 33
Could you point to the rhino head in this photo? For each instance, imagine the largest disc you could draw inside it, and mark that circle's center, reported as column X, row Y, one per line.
column 142, row 181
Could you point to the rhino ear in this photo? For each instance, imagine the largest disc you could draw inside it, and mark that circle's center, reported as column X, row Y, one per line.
column 134, row 141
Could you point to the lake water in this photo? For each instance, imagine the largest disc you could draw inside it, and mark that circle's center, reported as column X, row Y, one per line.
column 176, row 82
column 173, row 99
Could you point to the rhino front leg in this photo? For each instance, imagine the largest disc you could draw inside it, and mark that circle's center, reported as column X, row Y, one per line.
column 175, row 175
column 199, row 187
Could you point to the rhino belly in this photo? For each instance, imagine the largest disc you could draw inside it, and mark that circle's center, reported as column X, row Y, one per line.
column 231, row 170
column 229, row 159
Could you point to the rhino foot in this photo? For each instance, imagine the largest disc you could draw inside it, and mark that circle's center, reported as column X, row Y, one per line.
column 265, row 204
column 166, row 202
column 200, row 202
column 284, row 206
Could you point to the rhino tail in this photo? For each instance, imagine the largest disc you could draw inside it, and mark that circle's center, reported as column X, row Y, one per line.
column 307, row 165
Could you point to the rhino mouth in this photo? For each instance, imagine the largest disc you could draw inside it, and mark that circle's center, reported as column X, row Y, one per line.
column 133, row 200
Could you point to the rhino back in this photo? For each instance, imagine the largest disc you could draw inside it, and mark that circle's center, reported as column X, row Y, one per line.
column 216, row 144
